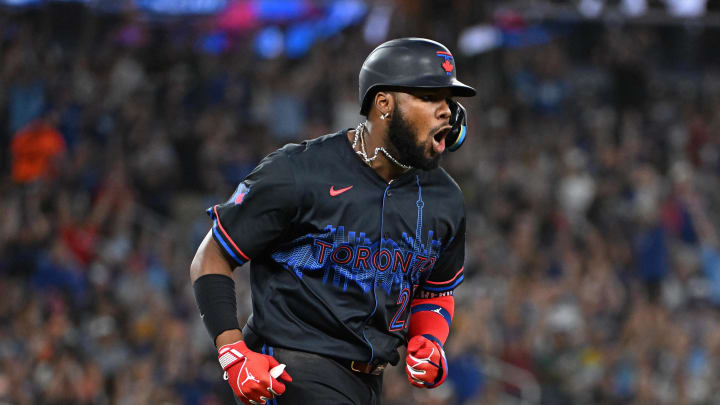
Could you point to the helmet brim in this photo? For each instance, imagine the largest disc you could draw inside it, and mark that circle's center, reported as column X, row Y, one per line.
column 457, row 88
column 460, row 89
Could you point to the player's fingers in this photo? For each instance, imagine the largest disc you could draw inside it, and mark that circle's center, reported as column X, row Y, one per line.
column 416, row 360
column 276, row 387
column 257, row 392
column 285, row 376
column 415, row 376
column 279, row 372
column 421, row 365
column 419, row 380
column 414, row 371
column 256, row 398
column 272, row 361
column 416, row 383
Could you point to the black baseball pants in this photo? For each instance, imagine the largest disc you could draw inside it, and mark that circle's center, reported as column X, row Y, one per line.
column 319, row 380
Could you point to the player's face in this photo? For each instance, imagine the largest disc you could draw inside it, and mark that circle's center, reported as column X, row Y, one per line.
column 419, row 125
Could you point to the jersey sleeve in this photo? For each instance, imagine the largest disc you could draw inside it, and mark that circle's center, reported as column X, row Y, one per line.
column 262, row 206
column 448, row 271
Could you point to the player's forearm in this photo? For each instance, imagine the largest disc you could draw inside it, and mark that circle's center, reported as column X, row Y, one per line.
column 215, row 294
column 227, row 337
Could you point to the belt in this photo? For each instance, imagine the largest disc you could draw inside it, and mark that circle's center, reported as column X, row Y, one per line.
column 374, row 368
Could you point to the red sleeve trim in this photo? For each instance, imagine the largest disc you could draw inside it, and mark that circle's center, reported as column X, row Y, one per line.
column 217, row 218
column 448, row 281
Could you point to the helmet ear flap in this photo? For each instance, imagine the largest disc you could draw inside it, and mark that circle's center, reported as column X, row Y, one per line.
column 458, row 120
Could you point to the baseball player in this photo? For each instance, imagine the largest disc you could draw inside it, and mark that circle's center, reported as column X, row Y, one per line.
column 355, row 242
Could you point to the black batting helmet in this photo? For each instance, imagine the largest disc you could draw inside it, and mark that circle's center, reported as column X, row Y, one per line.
column 409, row 63
column 414, row 63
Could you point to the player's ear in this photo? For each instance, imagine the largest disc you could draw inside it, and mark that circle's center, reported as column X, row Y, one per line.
column 384, row 103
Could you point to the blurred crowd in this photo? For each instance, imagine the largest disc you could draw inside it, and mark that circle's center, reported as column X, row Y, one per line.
column 590, row 173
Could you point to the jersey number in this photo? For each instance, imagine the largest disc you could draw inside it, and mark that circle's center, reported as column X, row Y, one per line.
column 403, row 299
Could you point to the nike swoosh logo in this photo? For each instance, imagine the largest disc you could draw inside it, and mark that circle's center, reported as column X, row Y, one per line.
column 335, row 193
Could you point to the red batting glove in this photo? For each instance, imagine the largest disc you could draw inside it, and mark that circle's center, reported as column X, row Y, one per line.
column 248, row 373
column 425, row 364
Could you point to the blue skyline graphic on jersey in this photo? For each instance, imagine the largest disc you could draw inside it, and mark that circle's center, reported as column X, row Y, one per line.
column 353, row 258
column 342, row 259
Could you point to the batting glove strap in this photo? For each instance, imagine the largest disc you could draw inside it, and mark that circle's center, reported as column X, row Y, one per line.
column 228, row 356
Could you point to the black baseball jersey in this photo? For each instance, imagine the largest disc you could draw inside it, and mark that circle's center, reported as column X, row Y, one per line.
column 336, row 252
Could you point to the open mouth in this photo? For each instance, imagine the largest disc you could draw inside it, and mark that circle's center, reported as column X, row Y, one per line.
column 439, row 139
column 440, row 135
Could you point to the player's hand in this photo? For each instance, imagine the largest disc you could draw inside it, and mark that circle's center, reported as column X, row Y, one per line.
column 249, row 373
column 425, row 363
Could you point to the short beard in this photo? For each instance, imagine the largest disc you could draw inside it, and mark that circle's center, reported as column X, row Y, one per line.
column 407, row 151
